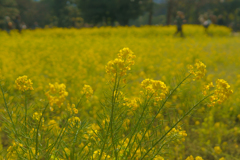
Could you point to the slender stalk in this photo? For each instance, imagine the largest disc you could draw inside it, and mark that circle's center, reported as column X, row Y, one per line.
column 12, row 123
column 111, row 119
column 59, row 136
column 112, row 112
column 83, row 149
column 79, row 102
column 139, row 120
column 25, row 111
column 6, row 106
column 39, row 123
column 150, row 124
column 73, row 145
column 114, row 96
column 72, row 154
column 105, row 140
column 165, row 143
column 186, row 114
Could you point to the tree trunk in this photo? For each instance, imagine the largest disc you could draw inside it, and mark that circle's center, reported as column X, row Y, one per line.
column 123, row 22
column 169, row 11
column 150, row 12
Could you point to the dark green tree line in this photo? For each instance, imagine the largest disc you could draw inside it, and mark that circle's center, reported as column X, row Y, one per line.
column 74, row 13
column 7, row 8
column 193, row 8
column 110, row 11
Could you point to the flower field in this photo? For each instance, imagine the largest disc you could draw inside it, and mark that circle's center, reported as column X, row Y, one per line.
column 120, row 93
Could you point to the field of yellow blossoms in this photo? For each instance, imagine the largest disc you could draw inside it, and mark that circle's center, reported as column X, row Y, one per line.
column 120, row 93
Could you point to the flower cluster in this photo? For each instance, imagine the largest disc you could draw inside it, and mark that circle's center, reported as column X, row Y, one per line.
column 23, row 84
column 68, row 152
column 32, row 132
column 192, row 158
column 53, row 125
column 221, row 92
column 206, row 88
column 72, row 109
column 91, row 133
column 14, row 150
column 74, row 121
column 179, row 133
column 132, row 104
column 155, row 87
column 217, row 150
column 96, row 154
column 123, row 146
column 57, row 94
column 87, row 91
column 84, row 147
column 121, row 64
column 37, row 116
column 158, row 157
column 198, row 70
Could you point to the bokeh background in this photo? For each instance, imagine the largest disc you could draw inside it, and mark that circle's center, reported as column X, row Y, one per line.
column 88, row 13
column 71, row 41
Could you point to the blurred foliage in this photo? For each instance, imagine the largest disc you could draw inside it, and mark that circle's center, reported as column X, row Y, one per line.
column 193, row 8
column 85, row 13
column 78, row 56
column 7, row 8
column 110, row 11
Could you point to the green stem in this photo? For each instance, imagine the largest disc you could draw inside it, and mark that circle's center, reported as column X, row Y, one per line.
column 165, row 143
column 8, row 112
column 104, row 142
column 6, row 106
column 139, row 120
column 25, row 111
column 114, row 96
column 39, row 123
column 79, row 102
column 186, row 114
column 60, row 135
column 73, row 145
column 111, row 119
column 159, row 110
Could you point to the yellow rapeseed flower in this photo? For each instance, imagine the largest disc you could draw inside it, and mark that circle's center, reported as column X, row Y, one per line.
column 158, row 157
column 155, row 87
column 67, row 151
column 74, row 121
column 190, row 158
column 23, row 83
column 198, row 70
column 53, row 125
column 37, row 116
column 72, row 109
column 221, row 92
column 122, row 64
column 57, row 94
column 217, row 150
column 198, row 158
column 87, row 91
